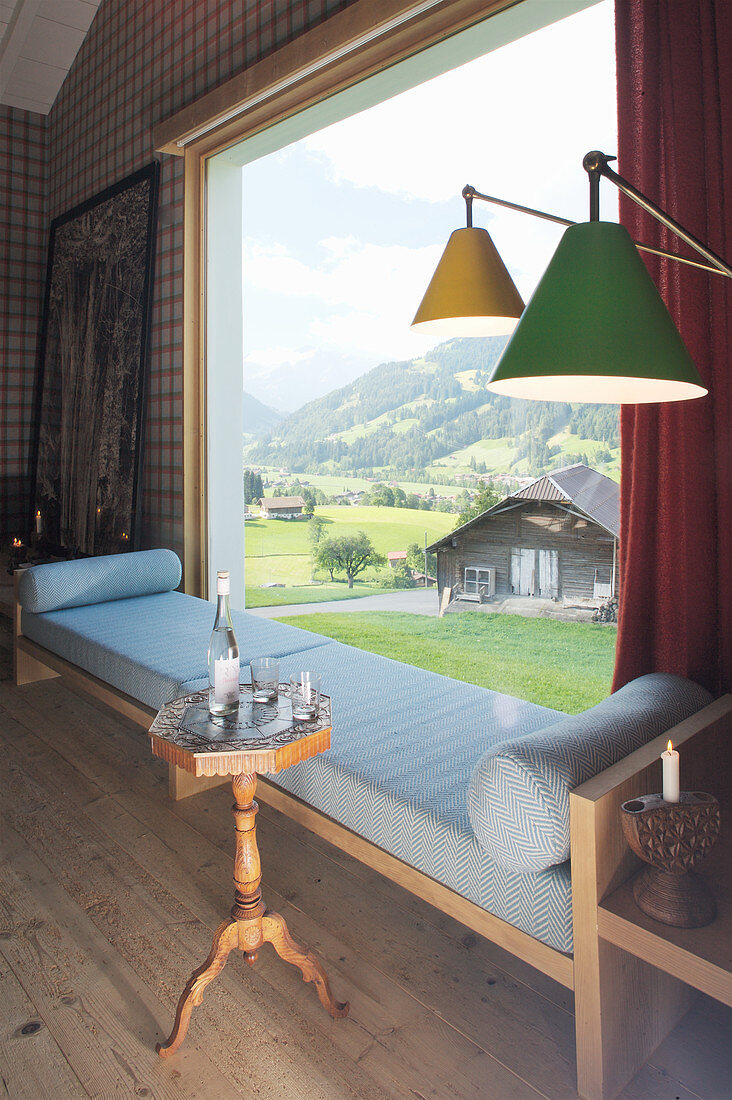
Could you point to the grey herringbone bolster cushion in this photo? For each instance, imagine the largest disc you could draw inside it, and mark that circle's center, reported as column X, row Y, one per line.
column 85, row 581
column 518, row 798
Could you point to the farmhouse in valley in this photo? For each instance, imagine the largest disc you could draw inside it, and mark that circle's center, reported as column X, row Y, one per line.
column 281, row 507
column 555, row 538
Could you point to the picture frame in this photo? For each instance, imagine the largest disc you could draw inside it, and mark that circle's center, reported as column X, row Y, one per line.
column 91, row 373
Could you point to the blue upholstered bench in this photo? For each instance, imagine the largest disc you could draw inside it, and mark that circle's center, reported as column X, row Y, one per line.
column 467, row 787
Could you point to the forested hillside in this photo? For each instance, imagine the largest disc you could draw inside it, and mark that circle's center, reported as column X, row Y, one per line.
column 434, row 413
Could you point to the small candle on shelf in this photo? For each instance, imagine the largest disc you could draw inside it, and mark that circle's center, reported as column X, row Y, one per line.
column 39, row 524
column 670, row 760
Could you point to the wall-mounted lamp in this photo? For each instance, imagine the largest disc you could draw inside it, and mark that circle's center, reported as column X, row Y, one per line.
column 596, row 329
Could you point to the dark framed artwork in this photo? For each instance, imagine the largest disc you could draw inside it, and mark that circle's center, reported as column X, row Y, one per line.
column 93, row 353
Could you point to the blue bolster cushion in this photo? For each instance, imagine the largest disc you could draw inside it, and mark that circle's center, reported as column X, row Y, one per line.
column 518, row 798
column 84, row 581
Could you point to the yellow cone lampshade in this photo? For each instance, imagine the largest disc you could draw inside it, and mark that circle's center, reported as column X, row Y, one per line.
column 471, row 292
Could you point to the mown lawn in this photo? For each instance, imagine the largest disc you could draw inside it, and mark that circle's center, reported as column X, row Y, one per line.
column 315, row 593
column 566, row 666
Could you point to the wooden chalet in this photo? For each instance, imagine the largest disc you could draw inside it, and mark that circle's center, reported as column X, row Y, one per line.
column 556, row 538
column 281, row 507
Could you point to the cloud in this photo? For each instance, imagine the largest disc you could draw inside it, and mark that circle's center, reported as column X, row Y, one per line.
column 515, row 123
column 366, row 294
column 490, row 123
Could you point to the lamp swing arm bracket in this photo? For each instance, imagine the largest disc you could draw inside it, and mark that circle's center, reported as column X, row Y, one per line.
column 596, row 165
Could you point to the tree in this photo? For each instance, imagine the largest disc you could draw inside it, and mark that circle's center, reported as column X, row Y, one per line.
column 349, row 554
column 415, row 558
column 326, row 555
column 382, row 496
column 485, row 498
column 316, row 531
column 253, row 488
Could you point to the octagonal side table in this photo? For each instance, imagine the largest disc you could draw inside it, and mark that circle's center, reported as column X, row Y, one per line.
column 258, row 739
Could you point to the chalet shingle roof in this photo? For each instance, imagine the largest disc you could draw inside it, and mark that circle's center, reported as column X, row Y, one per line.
column 268, row 503
column 579, row 487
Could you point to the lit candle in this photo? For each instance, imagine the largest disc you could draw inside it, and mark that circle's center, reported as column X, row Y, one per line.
column 670, row 774
column 39, row 524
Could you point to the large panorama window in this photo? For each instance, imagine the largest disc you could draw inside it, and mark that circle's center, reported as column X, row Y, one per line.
column 348, row 456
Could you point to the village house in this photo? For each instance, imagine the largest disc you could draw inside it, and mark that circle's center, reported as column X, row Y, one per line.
column 556, row 538
column 281, row 507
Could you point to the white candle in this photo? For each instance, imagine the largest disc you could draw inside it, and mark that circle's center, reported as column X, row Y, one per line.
column 39, row 524
column 670, row 774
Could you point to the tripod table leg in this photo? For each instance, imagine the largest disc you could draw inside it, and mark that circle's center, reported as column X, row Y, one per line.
column 275, row 931
column 225, row 939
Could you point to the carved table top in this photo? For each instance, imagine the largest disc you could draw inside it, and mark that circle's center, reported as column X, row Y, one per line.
column 262, row 737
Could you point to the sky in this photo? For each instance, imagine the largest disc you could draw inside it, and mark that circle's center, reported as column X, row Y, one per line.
column 359, row 212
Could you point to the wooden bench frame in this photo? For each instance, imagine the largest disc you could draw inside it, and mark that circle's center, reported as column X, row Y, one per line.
column 612, row 1043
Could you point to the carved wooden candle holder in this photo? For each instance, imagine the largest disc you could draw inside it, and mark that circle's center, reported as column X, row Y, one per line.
column 672, row 837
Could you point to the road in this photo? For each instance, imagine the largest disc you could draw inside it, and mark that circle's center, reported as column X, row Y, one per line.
column 415, row 600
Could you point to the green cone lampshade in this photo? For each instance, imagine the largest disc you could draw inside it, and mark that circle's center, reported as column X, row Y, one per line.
column 596, row 329
column 471, row 292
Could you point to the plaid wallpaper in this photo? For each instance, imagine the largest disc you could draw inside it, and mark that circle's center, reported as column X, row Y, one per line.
column 141, row 61
column 22, row 270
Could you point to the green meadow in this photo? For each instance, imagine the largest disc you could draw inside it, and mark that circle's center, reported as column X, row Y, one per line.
column 565, row 666
column 278, row 551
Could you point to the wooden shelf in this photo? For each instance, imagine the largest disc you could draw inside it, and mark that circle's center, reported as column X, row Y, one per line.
column 701, row 957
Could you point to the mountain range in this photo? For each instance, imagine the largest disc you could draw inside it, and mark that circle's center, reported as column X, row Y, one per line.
column 429, row 415
column 258, row 419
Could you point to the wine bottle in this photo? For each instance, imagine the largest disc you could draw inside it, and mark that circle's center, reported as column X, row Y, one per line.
column 223, row 656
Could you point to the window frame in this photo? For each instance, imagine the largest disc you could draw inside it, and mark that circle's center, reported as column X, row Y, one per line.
column 477, row 569
column 347, row 48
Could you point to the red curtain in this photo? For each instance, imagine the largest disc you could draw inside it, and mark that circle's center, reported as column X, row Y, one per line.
column 674, row 62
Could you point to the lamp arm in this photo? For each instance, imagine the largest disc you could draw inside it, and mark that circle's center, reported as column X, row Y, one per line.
column 719, row 268
column 469, row 193
column 597, row 163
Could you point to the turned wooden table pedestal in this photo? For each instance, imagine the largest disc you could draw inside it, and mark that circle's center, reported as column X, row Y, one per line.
column 261, row 738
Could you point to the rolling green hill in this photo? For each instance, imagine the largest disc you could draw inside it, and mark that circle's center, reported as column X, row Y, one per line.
column 416, row 419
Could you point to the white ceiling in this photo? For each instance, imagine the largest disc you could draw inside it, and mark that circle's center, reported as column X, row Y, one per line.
column 39, row 40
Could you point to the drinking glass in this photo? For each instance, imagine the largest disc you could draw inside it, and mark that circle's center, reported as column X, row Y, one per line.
column 265, row 679
column 305, row 696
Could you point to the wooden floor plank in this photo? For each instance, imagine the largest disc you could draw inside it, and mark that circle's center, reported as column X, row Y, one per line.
column 152, row 930
column 103, row 1019
column 416, row 979
column 418, row 1031
column 685, row 1055
column 485, row 1015
column 491, row 1008
column 32, row 1064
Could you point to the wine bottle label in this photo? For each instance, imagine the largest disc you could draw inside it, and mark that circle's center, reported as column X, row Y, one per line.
column 226, row 680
